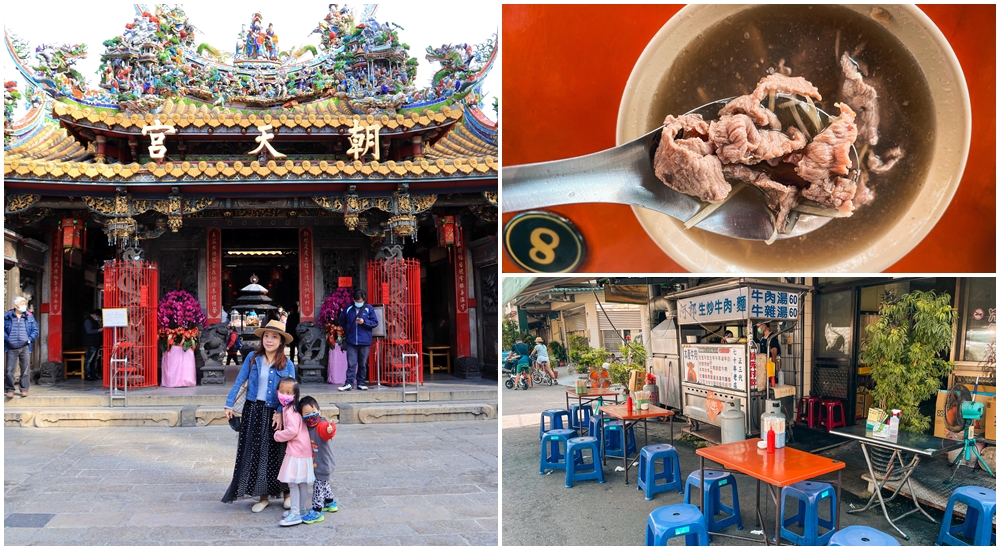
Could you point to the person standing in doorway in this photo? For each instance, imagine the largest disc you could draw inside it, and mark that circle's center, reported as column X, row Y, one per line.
column 291, row 327
column 93, row 339
column 358, row 321
column 20, row 330
column 772, row 347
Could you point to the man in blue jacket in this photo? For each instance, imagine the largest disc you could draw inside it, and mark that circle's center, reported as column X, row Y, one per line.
column 19, row 333
column 358, row 321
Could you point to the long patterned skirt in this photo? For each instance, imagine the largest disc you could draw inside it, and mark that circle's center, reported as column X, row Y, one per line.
column 258, row 457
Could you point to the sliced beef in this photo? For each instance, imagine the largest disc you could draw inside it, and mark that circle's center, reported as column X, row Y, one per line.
column 862, row 98
column 781, row 198
column 826, row 159
column 689, row 165
column 736, row 139
column 864, row 194
column 761, row 116
column 881, row 165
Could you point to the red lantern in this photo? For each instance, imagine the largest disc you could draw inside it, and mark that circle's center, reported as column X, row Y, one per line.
column 446, row 231
column 72, row 234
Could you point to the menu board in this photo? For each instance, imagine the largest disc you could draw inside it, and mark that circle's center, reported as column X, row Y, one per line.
column 720, row 366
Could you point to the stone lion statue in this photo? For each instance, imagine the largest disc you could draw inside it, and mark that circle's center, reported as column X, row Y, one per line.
column 213, row 344
column 312, row 342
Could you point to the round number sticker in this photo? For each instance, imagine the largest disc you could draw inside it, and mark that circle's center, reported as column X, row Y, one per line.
column 543, row 243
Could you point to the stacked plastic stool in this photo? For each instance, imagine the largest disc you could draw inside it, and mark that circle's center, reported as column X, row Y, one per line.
column 860, row 535
column 579, row 416
column 555, row 421
column 616, row 441
column 577, row 466
column 670, row 475
column 554, row 448
column 978, row 525
column 826, row 418
column 807, row 411
column 676, row 520
column 810, row 494
column 715, row 480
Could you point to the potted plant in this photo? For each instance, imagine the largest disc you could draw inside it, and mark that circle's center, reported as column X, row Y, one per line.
column 329, row 313
column 620, row 372
column 905, row 350
column 179, row 321
column 557, row 352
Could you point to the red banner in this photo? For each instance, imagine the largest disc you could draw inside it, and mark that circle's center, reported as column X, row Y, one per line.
column 463, row 338
column 55, row 297
column 345, row 282
column 306, row 279
column 214, row 275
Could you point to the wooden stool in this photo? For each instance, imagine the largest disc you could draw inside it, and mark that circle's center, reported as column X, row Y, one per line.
column 73, row 356
column 438, row 352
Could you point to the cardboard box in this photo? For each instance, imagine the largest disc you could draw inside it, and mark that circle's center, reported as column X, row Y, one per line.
column 636, row 380
column 981, row 424
column 990, row 417
column 863, row 403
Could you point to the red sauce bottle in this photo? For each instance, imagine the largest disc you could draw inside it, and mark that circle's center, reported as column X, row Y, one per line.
column 628, row 404
column 770, row 440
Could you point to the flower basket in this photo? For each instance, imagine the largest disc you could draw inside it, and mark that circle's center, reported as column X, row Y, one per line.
column 179, row 320
column 329, row 313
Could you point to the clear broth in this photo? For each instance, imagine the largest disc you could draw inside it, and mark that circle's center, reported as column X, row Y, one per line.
column 731, row 57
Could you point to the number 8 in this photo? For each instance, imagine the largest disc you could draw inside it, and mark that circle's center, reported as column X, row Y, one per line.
column 543, row 252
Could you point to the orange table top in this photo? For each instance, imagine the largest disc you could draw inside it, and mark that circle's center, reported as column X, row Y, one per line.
column 621, row 412
column 785, row 467
column 565, row 71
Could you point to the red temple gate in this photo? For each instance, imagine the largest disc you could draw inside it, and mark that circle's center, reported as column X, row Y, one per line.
column 132, row 285
column 395, row 285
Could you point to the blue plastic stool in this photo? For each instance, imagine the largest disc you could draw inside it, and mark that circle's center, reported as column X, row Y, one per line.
column 577, row 468
column 670, row 475
column 715, row 480
column 675, row 520
column 613, row 438
column 978, row 525
column 860, row 535
column 579, row 416
column 553, row 457
column 555, row 417
column 809, row 494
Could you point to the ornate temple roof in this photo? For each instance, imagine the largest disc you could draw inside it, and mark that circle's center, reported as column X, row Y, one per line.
column 155, row 72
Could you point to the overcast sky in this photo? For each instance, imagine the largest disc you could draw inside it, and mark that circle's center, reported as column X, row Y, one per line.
column 424, row 24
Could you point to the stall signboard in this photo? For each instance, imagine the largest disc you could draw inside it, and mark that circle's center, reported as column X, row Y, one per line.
column 716, row 366
column 736, row 304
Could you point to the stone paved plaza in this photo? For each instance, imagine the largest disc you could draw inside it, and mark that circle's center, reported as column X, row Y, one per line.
column 396, row 484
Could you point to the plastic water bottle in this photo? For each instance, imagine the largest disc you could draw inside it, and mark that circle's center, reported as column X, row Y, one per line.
column 893, row 426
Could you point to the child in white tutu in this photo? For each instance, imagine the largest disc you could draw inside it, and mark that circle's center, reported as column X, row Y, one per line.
column 297, row 467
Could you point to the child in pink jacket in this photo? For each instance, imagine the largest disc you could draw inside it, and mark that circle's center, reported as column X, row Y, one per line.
column 297, row 467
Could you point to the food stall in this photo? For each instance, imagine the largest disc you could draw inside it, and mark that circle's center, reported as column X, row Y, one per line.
column 715, row 370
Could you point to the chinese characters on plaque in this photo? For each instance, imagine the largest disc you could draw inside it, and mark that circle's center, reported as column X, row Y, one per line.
column 740, row 303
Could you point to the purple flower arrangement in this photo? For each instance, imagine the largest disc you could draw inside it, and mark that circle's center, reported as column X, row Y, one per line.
column 179, row 319
column 329, row 312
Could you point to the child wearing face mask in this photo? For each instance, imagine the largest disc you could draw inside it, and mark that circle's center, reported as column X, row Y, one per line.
column 321, row 432
column 297, row 466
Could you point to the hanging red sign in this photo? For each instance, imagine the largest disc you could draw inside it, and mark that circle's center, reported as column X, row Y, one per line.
column 345, row 282
column 214, row 275
column 307, row 292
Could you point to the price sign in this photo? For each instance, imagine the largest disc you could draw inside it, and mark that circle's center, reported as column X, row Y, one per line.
column 544, row 243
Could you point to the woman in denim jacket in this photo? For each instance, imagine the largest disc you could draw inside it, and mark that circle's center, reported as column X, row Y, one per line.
column 262, row 371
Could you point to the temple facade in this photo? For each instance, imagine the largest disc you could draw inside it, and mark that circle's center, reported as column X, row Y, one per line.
column 301, row 169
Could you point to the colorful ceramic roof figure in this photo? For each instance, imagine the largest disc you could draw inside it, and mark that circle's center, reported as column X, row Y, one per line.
column 361, row 76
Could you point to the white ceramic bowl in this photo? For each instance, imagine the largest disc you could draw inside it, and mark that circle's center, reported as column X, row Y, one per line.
column 843, row 245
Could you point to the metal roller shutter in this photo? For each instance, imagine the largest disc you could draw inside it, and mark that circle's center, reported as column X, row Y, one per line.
column 630, row 318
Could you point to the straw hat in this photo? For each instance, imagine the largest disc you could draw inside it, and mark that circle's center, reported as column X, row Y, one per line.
column 538, row 340
column 274, row 326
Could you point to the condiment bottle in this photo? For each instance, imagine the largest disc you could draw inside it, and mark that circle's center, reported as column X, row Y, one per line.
column 628, row 403
column 770, row 440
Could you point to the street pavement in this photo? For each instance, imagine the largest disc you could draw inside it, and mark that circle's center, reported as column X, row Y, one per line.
column 540, row 510
column 396, row 484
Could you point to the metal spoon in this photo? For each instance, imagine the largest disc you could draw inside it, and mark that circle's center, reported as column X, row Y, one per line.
column 624, row 175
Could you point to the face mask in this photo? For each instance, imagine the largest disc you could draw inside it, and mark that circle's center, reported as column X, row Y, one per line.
column 285, row 400
column 22, row 309
column 359, row 304
column 312, row 419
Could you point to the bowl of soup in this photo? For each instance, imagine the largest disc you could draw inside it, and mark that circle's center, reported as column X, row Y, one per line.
column 709, row 52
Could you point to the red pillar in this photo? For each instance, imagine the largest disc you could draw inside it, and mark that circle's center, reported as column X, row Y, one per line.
column 463, row 338
column 307, row 292
column 55, row 297
column 214, row 247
